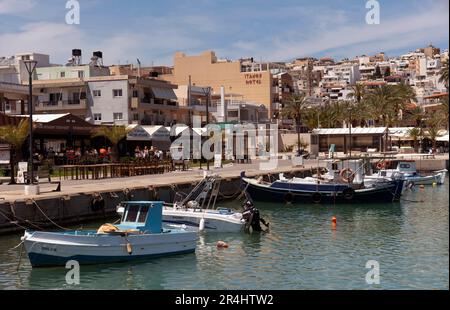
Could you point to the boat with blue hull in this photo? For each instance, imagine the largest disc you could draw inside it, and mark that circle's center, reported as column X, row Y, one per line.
column 139, row 236
column 342, row 183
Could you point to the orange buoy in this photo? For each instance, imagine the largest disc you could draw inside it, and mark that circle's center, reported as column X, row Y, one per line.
column 222, row 245
column 333, row 222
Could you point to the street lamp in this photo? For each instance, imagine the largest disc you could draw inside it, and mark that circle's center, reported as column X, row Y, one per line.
column 30, row 65
column 207, row 92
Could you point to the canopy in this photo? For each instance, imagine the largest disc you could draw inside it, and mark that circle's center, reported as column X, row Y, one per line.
column 164, row 93
column 443, row 138
column 149, row 133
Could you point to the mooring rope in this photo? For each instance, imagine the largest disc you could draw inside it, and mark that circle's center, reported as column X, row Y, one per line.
column 49, row 219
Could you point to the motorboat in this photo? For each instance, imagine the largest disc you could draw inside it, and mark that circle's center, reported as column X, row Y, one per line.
column 197, row 211
column 343, row 182
column 139, row 236
column 406, row 169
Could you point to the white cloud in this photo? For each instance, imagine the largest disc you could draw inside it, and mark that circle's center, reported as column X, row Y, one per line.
column 395, row 33
column 16, row 6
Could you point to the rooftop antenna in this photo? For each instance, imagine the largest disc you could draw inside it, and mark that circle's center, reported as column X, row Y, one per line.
column 139, row 67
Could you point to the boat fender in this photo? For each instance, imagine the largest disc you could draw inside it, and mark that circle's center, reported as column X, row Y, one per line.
column 97, row 203
column 127, row 194
column 288, row 198
column 129, row 248
column 348, row 193
column 201, row 226
column 316, row 197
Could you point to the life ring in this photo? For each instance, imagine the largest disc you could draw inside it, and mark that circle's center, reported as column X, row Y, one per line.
column 348, row 193
column 288, row 198
column 316, row 197
column 97, row 203
column 381, row 165
column 347, row 175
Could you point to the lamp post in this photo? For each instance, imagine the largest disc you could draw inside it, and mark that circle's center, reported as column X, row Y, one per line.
column 350, row 130
column 207, row 92
column 30, row 65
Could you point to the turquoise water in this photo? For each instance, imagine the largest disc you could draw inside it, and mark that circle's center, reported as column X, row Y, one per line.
column 410, row 240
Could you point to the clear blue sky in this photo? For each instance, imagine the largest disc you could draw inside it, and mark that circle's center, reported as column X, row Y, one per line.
column 272, row 30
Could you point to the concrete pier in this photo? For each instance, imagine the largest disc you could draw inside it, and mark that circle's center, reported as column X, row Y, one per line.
column 73, row 205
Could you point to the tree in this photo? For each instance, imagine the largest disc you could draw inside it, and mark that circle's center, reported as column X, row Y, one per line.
column 402, row 95
column 434, row 124
column 377, row 73
column 387, row 72
column 114, row 134
column 415, row 134
column 444, row 74
column 293, row 109
column 444, row 106
column 15, row 136
column 358, row 92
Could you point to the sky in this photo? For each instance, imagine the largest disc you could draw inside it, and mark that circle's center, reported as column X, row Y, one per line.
column 268, row 30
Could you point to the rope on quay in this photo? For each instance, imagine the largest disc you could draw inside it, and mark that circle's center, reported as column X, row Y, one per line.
column 49, row 219
column 19, row 219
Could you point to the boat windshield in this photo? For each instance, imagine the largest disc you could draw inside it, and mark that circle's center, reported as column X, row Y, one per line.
column 143, row 214
column 132, row 213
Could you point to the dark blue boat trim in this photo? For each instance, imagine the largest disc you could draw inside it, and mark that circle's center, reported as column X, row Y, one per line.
column 391, row 193
column 43, row 260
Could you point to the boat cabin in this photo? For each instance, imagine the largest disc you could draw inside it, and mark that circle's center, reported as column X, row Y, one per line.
column 144, row 216
column 356, row 168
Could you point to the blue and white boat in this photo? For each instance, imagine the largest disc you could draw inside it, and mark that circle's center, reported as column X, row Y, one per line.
column 406, row 169
column 343, row 183
column 139, row 236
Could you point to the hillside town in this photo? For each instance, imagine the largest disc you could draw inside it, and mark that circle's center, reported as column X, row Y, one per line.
column 307, row 95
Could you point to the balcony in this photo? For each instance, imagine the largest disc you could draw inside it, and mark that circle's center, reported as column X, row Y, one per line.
column 46, row 106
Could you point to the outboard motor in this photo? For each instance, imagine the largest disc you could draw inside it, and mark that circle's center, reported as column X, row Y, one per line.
column 253, row 218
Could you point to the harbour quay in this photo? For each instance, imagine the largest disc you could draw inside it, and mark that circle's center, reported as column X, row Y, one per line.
column 76, row 203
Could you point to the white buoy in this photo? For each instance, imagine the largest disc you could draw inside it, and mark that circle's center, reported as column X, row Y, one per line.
column 201, row 227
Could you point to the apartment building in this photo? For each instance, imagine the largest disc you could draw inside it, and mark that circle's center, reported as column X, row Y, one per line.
column 253, row 80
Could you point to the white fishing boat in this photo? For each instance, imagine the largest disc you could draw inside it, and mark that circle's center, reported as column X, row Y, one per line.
column 139, row 236
column 197, row 211
column 407, row 170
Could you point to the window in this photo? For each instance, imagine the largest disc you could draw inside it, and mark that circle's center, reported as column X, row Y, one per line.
column 135, row 116
column 97, row 117
column 117, row 93
column 135, row 94
column 97, row 93
column 62, row 74
column 132, row 213
column 143, row 214
column 55, row 97
column 118, row 116
column 80, row 74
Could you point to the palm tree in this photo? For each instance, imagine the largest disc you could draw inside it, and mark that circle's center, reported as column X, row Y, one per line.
column 402, row 95
column 415, row 134
column 434, row 124
column 444, row 74
column 379, row 104
column 15, row 136
column 114, row 134
column 358, row 92
column 293, row 109
column 417, row 115
column 444, row 102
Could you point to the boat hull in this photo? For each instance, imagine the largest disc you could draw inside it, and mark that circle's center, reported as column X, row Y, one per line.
column 391, row 192
column 56, row 249
column 213, row 221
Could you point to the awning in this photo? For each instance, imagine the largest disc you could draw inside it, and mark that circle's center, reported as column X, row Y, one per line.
column 149, row 133
column 164, row 93
column 443, row 138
